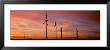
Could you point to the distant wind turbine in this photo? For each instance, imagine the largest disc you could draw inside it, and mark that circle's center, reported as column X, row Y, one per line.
column 61, row 32
column 46, row 20
column 56, row 28
column 77, row 37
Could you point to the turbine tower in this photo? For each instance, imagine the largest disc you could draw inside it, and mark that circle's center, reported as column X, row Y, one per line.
column 77, row 33
column 61, row 32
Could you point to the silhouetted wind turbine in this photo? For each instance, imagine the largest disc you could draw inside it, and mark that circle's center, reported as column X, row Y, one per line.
column 56, row 28
column 77, row 33
column 61, row 32
column 46, row 20
column 24, row 35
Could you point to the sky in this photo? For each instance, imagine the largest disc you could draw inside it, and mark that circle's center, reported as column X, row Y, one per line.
column 30, row 22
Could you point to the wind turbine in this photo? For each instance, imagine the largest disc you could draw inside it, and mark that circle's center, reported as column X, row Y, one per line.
column 46, row 20
column 56, row 28
column 77, row 32
column 61, row 32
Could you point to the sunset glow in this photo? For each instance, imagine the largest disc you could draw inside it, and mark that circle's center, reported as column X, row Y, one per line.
column 28, row 24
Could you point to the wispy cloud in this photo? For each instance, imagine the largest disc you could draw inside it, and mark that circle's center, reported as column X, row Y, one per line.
column 25, row 20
